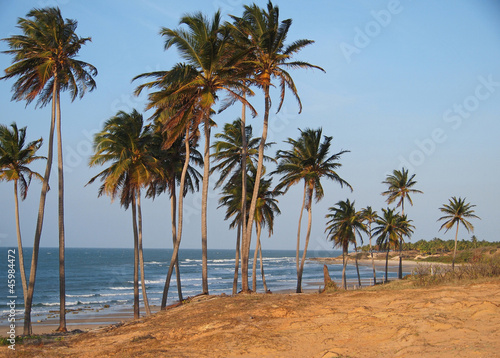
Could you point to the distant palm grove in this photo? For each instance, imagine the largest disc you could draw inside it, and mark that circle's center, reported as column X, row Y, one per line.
column 223, row 64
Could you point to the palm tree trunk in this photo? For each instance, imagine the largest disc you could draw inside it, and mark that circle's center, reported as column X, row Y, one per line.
column 262, row 269
column 400, row 269
column 356, row 258
column 308, row 235
column 263, row 138
column 237, row 259
column 136, row 259
column 20, row 246
column 455, row 251
column 206, row 174
column 141, row 256
column 344, row 264
column 39, row 221
column 255, row 255
column 173, row 211
column 371, row 254
column 62, row 279
column 297, row 253
column 177, row 244
column 387, row 260
column 244, row 150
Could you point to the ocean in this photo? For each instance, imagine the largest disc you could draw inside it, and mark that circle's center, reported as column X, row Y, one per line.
column 100, row 277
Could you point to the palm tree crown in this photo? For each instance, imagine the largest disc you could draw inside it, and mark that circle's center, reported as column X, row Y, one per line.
column 400, row 187
column 45, row 54
column 309, row 160
column 343, row 224
column 457, row 210
column 16, row 155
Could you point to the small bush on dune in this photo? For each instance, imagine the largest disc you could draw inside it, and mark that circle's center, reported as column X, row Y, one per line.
column 478, row 266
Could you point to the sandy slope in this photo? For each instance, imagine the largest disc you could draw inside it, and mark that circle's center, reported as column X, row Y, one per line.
column 449, row 321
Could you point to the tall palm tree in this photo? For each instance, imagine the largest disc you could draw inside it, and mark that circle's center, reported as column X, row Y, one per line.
column 209, row 69
column 15, row 156
column 308, row 160
column 262, row 36
column 457, row 211
column 370, row 216
column 343, row 224
column 44, row 63
column 171, row 162
column 123, row 143
column 391, row 229
column 400, row 187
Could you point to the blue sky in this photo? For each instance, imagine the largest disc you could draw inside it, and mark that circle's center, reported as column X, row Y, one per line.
column 407, row 83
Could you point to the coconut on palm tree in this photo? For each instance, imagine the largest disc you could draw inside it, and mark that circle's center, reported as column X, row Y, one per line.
column 209, row 70
column 308, row 160
column 123, row 144
column 391, row 229
column 457, row 211
column 400, row 186
column 15, row 156
column 44, row 63
column 262, row 36
column 343, row 224
column 370, row 216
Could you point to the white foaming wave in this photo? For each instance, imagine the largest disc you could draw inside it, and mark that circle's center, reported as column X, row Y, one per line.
column 89, row 295
column 121, row 288
column 116, row 294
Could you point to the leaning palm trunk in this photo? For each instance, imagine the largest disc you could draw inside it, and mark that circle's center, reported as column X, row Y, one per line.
column 173, row 211
column 39, row 222
column 308, row 235
column 206, row 174
column 20, row 246
column 251, row 214
column 357, row 266
column 298, row 230
column 177, row 244
column 255, row 254
column 62, row 279
column 243, row 224
column 136, row 258
column 141, row 256
column 262, row 269
column 237, row 259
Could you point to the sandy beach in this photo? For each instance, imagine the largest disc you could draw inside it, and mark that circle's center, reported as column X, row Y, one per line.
column 461, row 320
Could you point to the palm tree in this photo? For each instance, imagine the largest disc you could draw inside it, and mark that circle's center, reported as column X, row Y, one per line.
column 457, row 211
column 267, row 209
column 400, row 188
column 308, row 160
column 235, row 152
column 44, row 63
column 262, row 36
column 123, row 144
column 171, row 162
column 390, row 230
column 15, row 156
column 343, row 224
column 370, row 216
column 209, row 69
